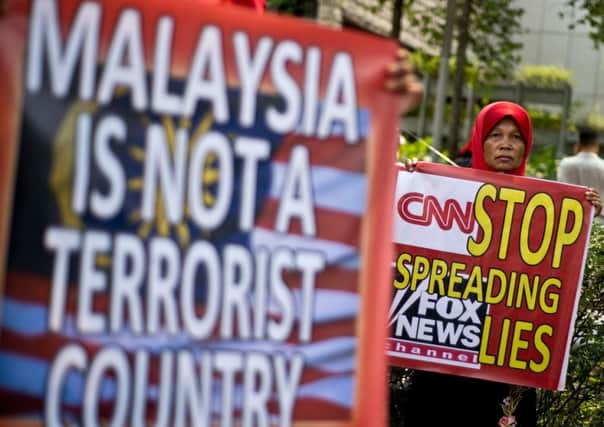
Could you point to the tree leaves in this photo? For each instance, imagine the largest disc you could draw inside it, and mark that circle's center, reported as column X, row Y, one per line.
column 581, row 403
column 592, row 15
column 493, row 29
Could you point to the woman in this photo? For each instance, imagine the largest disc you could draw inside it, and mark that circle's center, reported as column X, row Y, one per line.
column 501, row 141
column 501, row 138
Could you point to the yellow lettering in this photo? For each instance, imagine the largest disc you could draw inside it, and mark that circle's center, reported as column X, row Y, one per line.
column 421, row 269
column 519, row 344
column 483, row 357
column 509, row 302
column 455, row 279
column 564, row 237
column 512, row 197
column 439, row 272
column 487, row 191
column 503, row 342
column 474, row 285
column 527, row 292
column 400, row 267
column 544, row 201
column 548, row 301
column 495, row 273
column 542, row 348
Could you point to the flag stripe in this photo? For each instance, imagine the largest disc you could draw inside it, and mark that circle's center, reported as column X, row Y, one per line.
column 333, row 189
column 21, row 374
column 330, row 225
column 334, row 152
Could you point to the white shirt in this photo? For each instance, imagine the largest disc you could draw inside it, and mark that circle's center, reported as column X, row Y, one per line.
column 584, row 168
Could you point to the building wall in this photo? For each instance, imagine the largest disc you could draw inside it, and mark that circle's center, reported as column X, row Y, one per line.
column 373, row 16
column 549, row 41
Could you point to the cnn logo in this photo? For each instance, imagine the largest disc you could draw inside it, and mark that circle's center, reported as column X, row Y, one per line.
column 421, row 209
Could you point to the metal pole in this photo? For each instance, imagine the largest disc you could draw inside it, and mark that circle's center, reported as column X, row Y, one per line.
column 560, row 151
column 469, row 104
column 443, row 77
column 421, row 121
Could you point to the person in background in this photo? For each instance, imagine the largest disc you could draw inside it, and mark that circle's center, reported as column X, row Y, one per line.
column 464, row 156
column 501, row 140
column 585, row 168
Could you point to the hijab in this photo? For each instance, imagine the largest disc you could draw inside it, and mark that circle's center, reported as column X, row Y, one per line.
column 486, row 120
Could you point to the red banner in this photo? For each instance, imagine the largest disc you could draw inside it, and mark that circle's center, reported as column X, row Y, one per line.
column 487, row 273
column 195, row 193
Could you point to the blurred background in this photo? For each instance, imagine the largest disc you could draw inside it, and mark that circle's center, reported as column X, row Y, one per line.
column 543, row 54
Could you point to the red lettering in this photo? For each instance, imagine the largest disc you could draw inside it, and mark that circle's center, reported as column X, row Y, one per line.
column 431, row 210
column 403, row 209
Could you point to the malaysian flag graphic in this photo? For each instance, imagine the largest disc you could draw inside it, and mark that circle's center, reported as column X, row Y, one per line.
column 200, row 201
column 28, row 348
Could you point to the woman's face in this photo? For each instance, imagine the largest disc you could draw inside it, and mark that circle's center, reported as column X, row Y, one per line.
column 504, row 146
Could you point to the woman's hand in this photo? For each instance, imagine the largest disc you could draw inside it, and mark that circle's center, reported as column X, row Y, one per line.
column 594, row 197
column 401, row 79
column 411, row 164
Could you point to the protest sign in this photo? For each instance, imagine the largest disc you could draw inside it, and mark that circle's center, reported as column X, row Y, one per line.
column 487, row 273
column 11, row 42
column 195, row 191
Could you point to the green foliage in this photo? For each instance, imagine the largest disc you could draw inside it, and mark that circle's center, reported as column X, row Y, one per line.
column 544, row 76
column 417, row 149
column 581, row 403
column 493, row 26
column 399, row 381
column 595, row 119
column 429, row 64
column 543, row 119
column 425, row 63
column 592, row 15
column 542, row 162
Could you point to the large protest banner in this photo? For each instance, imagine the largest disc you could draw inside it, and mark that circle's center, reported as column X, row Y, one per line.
column 195, row 193
column 11, row 42
column 487, row 274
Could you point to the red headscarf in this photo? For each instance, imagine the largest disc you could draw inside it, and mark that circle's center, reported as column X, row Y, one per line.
column 487, row 118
